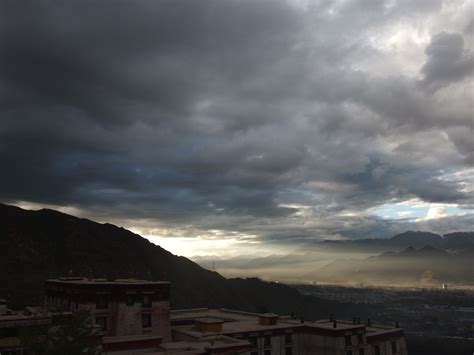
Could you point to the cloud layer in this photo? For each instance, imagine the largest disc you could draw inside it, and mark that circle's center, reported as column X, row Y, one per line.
column 275, row 121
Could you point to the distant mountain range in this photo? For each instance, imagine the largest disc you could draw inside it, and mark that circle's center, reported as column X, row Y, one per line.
column 400, row 241
column 425, row 266
column 406, row 258
column 36, row 245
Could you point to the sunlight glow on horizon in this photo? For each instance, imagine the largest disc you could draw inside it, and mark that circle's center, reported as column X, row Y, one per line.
column 189, row 246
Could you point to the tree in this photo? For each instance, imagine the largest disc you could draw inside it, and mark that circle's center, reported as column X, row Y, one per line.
column 71, row 334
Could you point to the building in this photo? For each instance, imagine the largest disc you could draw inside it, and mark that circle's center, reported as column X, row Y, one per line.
column 14, row 326
column 134, row 317
column 133, row 314
column 270, row 334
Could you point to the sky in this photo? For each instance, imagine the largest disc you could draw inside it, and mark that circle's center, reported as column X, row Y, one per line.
column 241, row 126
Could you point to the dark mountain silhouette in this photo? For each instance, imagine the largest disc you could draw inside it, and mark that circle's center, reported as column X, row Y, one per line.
column 416, row 239
column 459, row 239
column 36, row 245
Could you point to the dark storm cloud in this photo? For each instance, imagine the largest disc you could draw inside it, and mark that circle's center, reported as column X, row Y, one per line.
column 242, row 116
column 447, row 61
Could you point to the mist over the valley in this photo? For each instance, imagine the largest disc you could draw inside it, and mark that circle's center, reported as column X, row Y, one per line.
column 408, row 259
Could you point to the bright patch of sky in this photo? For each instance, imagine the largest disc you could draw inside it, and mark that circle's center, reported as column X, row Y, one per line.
column 415, row 210
column 230, row 247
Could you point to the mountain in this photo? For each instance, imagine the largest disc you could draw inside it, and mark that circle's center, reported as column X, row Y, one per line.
column 425, row 266
column 293, row 267
column 417, row 239
column 459, row 239
column 36, row 245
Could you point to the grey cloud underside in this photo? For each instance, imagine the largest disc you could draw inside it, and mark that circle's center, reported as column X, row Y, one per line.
column 447, row 60
column 226, row 115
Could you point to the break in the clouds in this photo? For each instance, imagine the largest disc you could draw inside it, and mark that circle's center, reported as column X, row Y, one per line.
column 255, row 121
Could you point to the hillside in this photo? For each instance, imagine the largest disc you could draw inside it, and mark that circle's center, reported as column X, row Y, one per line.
column 36, row 245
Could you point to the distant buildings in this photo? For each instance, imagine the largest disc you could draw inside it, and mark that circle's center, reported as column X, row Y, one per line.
column 134, row 317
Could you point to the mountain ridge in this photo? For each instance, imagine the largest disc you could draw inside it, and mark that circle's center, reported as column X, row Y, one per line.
column 402, row 240
column 425, row 266
column 37, row 245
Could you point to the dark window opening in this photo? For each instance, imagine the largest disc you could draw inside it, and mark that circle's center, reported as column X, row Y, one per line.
column 361, row 351
column 146, row 301
column 377, row 350
column 267, row 341
column 146, row 320
column 288, row 351
column 268, row 352
column 102, row 321
column 349, row 352
column 394, row 347
column 8, row 332
column 102, row 302
column 287, row 338
column 130, row 300
column 360, row 339
column 348, row 340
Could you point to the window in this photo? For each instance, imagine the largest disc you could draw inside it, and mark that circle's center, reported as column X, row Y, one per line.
column 267, row 341
column 8, row 332
column 361, row 351
column 394, row 347
column 360, row 339
column 254, row 353
column 377, row 350
column 253, row 340
column 267, row 352
column 287, row 338
column 102, row 302
column 146, row 320
column 102, row 321
column 349, row 352
column 348, row 340
column 146, row 301
column 130, row 300
column 288, row 351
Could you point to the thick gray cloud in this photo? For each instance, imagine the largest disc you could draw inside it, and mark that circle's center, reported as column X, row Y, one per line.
column 447, row 60
column 272, row 119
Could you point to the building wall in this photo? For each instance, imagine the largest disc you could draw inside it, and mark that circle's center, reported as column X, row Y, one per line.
column 131, row 351
column 385, row 347
column 123, row 314
column 308, row 342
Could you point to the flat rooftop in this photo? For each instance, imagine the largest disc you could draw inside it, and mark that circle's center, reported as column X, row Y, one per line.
column 18, row 320
column 246, row 322
column 131, row 338
column 86, row 281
